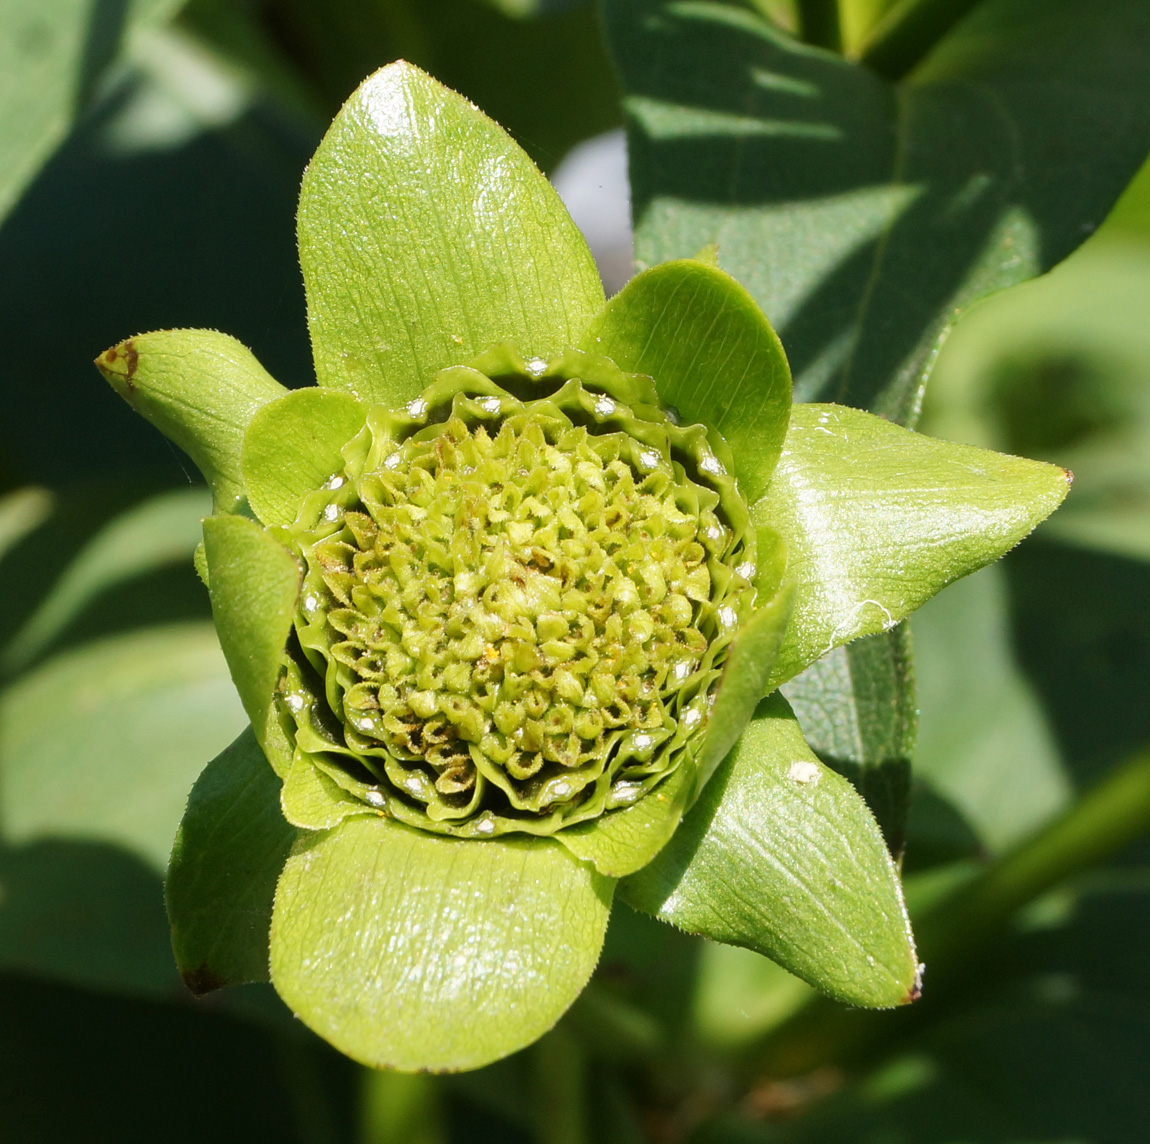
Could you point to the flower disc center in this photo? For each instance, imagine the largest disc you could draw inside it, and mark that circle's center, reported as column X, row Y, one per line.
column 508, row 607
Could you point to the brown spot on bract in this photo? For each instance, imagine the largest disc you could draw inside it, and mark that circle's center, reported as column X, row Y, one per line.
column 132, row 357
column 202, row 980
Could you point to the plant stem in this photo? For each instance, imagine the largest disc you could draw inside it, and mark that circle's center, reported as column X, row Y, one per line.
column 560, row 1086
column 1111, row 815
column 909, row 31
column 953, row 932
column 819, row 23
column 400, row 1108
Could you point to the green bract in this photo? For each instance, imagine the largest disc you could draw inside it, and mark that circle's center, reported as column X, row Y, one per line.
column 507, row 598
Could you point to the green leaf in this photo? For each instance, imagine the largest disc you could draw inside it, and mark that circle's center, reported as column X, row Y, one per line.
column 159, row 531
column 877, row 519
column 22, row 512
column 984, row 741
column 104, row 742
column 293, row 445
column 254, row 582
column 411, row 951
column 84, row 913
column 782, row 856
column 313, row 800
column 52, row 55
column 412, row 258
column 200, row 389
column 713, row 355
column 228, row 854
column 623, row 841
column 865, row 216
column 746, row 678
column 858, row 711
column 1056, row 370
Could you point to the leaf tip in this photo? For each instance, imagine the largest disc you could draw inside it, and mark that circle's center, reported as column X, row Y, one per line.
column 201, row 980
column 915, row 990
column 118, row 365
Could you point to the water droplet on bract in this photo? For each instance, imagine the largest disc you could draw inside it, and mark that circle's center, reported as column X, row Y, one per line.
column 728, row 617
column 604, row 406
column 642, row 741
column 746, row 570
column 310, row 604
column 417, row 408
column 375, row 797
column 536, row 367
column 331, row 512
column 648, row 458
column 335, row 482
column 294, row 701
column 485, row 825
column 709, row 463
column 491, row 404
column 391, row 462
column 692, row 716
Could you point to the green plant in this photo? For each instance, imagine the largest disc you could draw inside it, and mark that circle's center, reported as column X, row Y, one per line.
column 501, row 595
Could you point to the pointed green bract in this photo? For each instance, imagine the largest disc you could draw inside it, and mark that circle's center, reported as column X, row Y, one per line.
column 782, row 856
column 411, row 951
column 877, row 519
column 711, row 351
column 625, row 840
column 229, row 851
column 200, row 389
column 292, row 447
column 426, row 236
column 254, row 584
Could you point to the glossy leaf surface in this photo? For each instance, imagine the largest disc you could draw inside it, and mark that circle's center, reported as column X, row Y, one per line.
column 426, row 236
column 626, row 840
column 877, row 519
column 781, row 855
column 420, row 952
column 713, row 355
column 863, row 216
column 228, row 854
column 254, row 584
column 293, row 445
column 200, row 389
column 746, row 678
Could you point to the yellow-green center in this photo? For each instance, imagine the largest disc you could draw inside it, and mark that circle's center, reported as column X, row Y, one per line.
column 508, row 608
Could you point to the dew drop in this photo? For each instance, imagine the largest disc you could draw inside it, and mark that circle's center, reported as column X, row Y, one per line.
column 417, row 408
column 536, row 367
column 491, row 404
column 604, row 406
column 375, row 797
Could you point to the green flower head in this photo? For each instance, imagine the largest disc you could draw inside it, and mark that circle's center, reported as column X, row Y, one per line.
column 508, row 596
